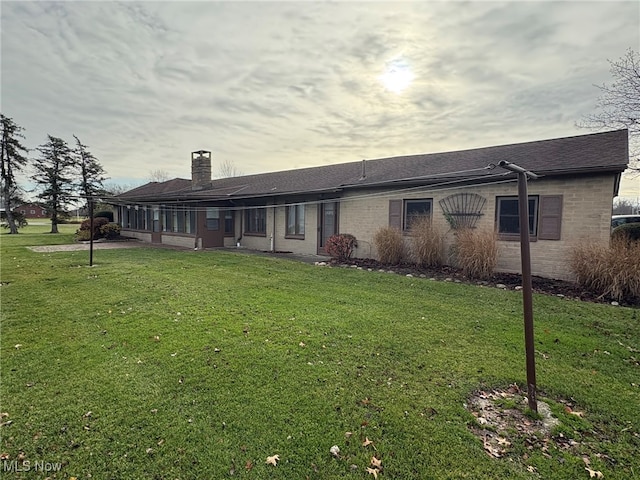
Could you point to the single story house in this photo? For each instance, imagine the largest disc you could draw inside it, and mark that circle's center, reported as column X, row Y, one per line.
column 298, row 210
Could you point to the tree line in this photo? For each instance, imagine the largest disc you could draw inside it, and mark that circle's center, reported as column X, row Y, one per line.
column 61, row 173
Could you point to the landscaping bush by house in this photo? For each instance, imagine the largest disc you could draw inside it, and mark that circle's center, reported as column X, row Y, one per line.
column 110, row 231
column 427, row 244
column 340, row 246
column 476, row 252
column 609, row 271
column 389, row 243
column 84, row 232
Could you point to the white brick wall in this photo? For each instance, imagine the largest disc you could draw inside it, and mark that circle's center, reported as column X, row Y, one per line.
column 586, row 215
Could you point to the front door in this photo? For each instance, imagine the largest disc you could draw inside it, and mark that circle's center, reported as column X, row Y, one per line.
column 156, row 227
column 210, row 228
column 327, row 224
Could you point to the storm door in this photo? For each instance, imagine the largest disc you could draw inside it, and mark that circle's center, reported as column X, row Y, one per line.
column 327, row 223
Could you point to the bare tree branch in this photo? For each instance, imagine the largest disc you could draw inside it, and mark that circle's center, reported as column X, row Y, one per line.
column 619, row 104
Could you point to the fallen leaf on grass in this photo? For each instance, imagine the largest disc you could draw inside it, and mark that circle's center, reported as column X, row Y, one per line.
column 503, row 442
column 249, row 465
column 366, row 442
column 376, row 462
column 373, row 471
column 594, row 473
column 273, row 460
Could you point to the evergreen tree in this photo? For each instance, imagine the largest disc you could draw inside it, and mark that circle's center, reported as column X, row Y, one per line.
column 13, row 160
column 54, row 171
column 91, row 172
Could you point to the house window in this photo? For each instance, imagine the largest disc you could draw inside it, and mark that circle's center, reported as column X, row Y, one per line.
column 189, row 221
column 295, row 221
column 213, row 218
column 32, row 212
column 175, row 226
column 508, row 216
column 256, row 221
column 229, row 227
column 416, row 210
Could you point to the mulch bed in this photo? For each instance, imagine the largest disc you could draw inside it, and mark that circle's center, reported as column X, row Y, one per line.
column 508, row 281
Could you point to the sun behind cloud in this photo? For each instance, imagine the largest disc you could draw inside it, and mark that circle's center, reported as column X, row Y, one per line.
column 397, row 76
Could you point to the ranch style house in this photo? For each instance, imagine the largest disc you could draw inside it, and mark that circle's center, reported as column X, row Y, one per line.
column 298, row 210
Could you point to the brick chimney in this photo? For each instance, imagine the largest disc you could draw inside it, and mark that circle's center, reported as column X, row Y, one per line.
column 200, row 169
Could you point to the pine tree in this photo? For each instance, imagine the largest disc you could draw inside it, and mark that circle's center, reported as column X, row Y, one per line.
column 13, row 160
column 54, row 171
column 91, row 172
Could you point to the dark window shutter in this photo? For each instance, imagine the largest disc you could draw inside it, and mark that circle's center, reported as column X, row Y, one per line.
column 550, row 224
column 395, row 214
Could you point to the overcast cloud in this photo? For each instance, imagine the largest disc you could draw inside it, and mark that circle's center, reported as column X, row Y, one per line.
column 271, row 86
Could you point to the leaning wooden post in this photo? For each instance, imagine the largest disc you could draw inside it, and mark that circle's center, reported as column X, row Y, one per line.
column 527, row 296
column 91, row 231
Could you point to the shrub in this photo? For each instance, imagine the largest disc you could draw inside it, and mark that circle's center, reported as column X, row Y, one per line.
column 85, row 226
column 427, row 244
column 19, row 219
column 340, row 246
column 390, row 245
column 110, row 230
column 629, row 230
column 476, row 252
column 83, row 235
column 609, row 271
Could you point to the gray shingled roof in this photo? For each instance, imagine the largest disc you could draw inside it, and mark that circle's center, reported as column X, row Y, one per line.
column 598, row 152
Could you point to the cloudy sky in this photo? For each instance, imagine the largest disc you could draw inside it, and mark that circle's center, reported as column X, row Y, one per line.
column 277, row 85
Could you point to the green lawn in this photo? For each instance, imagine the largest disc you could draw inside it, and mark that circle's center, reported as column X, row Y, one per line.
column 165, row 364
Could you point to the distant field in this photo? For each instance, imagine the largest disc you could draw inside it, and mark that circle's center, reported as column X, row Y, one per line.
column 165, row 364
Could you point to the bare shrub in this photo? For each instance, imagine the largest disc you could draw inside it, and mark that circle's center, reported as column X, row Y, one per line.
column 427, row 244
column 389, row 243
column 476, row 252
column 608, row 270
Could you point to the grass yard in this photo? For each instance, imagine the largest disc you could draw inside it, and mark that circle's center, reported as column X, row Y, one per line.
column 165, row 364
